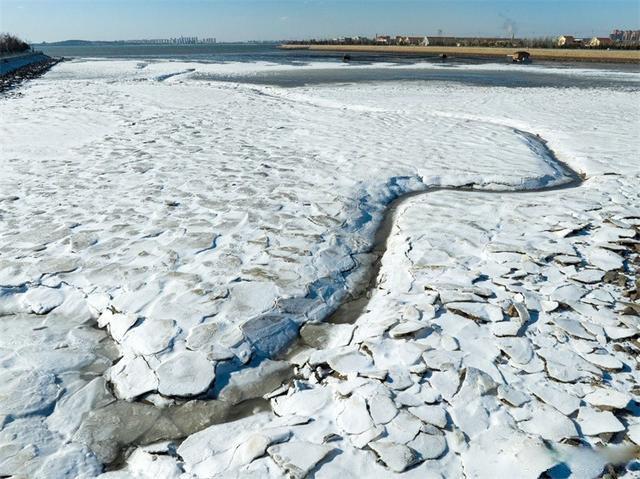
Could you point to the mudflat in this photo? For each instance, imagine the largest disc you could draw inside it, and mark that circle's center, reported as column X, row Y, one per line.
column 596, row 55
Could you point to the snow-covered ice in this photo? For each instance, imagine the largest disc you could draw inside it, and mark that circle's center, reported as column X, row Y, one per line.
column 164, row 237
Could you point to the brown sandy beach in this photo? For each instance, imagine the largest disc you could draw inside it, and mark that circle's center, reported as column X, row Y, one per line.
column 609, row 56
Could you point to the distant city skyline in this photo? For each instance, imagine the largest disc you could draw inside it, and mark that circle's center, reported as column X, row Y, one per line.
column 243, row 20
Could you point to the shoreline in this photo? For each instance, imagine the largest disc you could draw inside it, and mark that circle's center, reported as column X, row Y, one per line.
column 605, row 56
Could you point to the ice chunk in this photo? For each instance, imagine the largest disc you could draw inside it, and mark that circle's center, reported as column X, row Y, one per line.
column 215, row 339
column 608, row 398
column 186, row 374
column 270, row 334
column 42, row 300
column 519, row 350
column 504, row 452
column 512, row 395
column 305, row 402
column 428, row 446
column 26, row 392
column 382, row 408
column 325, row 335
column 594, row 422
column 298, row 458
column 71, row 409
column 355, row 418
column 144, row 464
column 403, row 428
column 604, row 361
column 478, row 311
column 255, row 381
column 150, row 337
column 396, row 457
column 604, row 259
column 133, row 377
column 435, row 415
column 350, row 362
column 549, row 423
column 588, row 276
column 553, row 395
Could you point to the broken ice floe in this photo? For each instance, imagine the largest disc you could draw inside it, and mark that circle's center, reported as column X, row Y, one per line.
column 496, row 319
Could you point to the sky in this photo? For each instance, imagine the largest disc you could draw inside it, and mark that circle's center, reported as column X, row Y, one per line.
column 241, row 20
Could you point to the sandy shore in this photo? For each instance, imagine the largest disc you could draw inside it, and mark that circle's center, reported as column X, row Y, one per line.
column 613, row 56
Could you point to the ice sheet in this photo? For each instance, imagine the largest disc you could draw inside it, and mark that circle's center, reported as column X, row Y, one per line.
column 219, row 217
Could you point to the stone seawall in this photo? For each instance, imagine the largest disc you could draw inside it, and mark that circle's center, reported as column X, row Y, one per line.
column 13, row 63
column 16, row 69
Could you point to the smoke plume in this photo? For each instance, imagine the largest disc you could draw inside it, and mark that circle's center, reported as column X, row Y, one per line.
column 509, row 26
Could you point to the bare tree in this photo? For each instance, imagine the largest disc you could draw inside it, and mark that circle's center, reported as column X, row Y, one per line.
column 12, row 44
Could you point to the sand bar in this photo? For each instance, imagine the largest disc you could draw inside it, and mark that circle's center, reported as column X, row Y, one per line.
column 613, row 56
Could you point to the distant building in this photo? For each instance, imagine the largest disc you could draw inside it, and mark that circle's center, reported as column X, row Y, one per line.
column 600, row 42
column 357, row 40
column 442, row 41
column 626, row 37
column 383, row 39
column 570, row 41
column 172, row 41
column 616, row 35
column 566, row 41
column 411, row 40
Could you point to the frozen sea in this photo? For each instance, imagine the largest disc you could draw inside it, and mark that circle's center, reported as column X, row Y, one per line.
column 171, row 220
column 462, row 69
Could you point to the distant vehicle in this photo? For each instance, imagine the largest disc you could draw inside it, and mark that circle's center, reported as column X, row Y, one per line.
column 520, row 57
column 443, row 56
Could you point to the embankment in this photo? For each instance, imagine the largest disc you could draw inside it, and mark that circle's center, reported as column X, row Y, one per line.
column 18, row 68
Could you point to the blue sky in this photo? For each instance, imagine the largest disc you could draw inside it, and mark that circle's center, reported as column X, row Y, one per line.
column 233, row 20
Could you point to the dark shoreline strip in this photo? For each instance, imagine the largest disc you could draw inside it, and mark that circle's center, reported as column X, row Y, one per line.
column 547, row 54
column 15, row 78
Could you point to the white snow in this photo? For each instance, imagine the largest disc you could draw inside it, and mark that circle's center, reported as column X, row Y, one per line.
column 185, row 374
column 594, row 422
column 201, row 224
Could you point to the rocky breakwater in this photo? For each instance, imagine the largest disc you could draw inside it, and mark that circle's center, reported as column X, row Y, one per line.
column 17, row 69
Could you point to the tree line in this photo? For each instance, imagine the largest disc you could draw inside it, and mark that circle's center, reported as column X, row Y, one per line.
column 439, row 41
column 12, row 44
